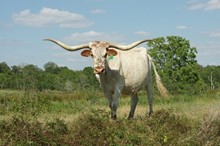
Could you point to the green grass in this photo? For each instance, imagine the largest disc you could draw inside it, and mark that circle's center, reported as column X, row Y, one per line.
column 82, row 118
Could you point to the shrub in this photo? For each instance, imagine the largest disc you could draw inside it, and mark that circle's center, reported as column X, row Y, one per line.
column 209, row 131
column 96, row 128
column 18, row 131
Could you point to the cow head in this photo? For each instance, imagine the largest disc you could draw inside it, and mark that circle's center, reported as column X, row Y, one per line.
column 98, row 50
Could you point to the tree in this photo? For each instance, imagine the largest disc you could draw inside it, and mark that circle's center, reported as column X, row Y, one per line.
column 210, row 75
column 4, row 68
column 31, row 76
column 51, row 67
column 88, row 71
column 5, row 76
column 68, row 79
column 176, row 62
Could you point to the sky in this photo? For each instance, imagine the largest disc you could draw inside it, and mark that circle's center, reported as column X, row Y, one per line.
column 25, row 23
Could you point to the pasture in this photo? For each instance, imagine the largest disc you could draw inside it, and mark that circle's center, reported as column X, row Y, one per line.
column 83, row 118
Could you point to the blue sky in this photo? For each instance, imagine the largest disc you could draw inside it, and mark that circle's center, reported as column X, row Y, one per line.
column 25, row 23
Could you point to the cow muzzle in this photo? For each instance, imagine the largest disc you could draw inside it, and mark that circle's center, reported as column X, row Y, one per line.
column 99, row 70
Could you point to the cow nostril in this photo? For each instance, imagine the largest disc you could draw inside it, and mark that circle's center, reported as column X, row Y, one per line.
column 99, row 70
column 103, row 70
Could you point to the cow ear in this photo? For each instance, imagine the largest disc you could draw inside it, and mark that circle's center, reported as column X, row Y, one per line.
column 86, row 53
column 111, row 52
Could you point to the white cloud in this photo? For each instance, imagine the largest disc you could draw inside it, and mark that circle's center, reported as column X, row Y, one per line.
column 209, row 48
column 208, row 53
column 142, row 33
column 181, row 27
column 213, row 4
column 97, row 11
column 194, row 5
column 49, row 16
column 215, row 34
column 208, row 6
column 94, row 36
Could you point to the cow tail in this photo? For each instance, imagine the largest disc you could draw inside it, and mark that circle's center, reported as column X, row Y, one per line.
column 162, row 89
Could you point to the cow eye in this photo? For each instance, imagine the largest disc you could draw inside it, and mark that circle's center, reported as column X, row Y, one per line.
column 92, row 55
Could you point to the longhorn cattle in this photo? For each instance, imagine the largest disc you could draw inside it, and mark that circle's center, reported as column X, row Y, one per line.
column 120, row 69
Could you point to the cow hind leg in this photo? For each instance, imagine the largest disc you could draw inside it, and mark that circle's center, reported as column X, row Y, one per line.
column 150, row 96
column 134, row 101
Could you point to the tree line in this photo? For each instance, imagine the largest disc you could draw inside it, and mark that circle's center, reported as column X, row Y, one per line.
column 174, row 57
column 52, row 77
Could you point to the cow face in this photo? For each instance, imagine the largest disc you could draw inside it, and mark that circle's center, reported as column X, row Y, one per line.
column 99, row 51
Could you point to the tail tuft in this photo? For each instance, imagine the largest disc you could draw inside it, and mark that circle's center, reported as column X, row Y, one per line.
column 162, row 89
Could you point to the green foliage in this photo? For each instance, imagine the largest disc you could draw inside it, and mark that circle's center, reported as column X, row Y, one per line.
column 176, row 62
column 18, row 131
column 51, row 67
column 33, row 103
column 4, row 68
column 58, row 127
column 30, row 77
column 211, row 76
column 96, row 128
column 36, row 118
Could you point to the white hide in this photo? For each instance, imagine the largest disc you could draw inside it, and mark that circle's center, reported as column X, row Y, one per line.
column 130, row 68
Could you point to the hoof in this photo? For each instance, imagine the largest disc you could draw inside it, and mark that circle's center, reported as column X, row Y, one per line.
column 150, row 113
column 114, row 117
column 130, row 118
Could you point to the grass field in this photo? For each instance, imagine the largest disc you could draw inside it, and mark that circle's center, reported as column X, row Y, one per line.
column 82, row 118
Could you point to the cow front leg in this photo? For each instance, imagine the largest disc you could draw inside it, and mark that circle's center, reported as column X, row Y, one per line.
column 115, row 103
column 113, row 108
column 110, row 101
column 134, row 101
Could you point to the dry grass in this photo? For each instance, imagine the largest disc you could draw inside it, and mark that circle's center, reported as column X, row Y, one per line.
column 59, row 116
column 195, row 110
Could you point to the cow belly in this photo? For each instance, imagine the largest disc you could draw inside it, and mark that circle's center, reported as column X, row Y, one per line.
column 135, row 80
column 129, row 90
column 134, row 85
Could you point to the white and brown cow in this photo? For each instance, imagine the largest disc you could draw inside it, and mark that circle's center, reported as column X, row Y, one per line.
column 120, row 70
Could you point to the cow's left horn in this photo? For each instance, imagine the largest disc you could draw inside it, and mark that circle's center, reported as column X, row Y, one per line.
column 128, row 47
column 69, row 48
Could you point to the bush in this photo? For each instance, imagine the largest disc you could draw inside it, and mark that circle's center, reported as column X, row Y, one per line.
column 209, row 131
column 96, row 128
column 41, row 119
column 18, row 131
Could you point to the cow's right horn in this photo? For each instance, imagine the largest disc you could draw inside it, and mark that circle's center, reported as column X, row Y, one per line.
column 128, row 47
column 69, row 48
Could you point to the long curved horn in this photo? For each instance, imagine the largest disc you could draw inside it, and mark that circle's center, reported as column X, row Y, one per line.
column 69, row 48
column 127, row 47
